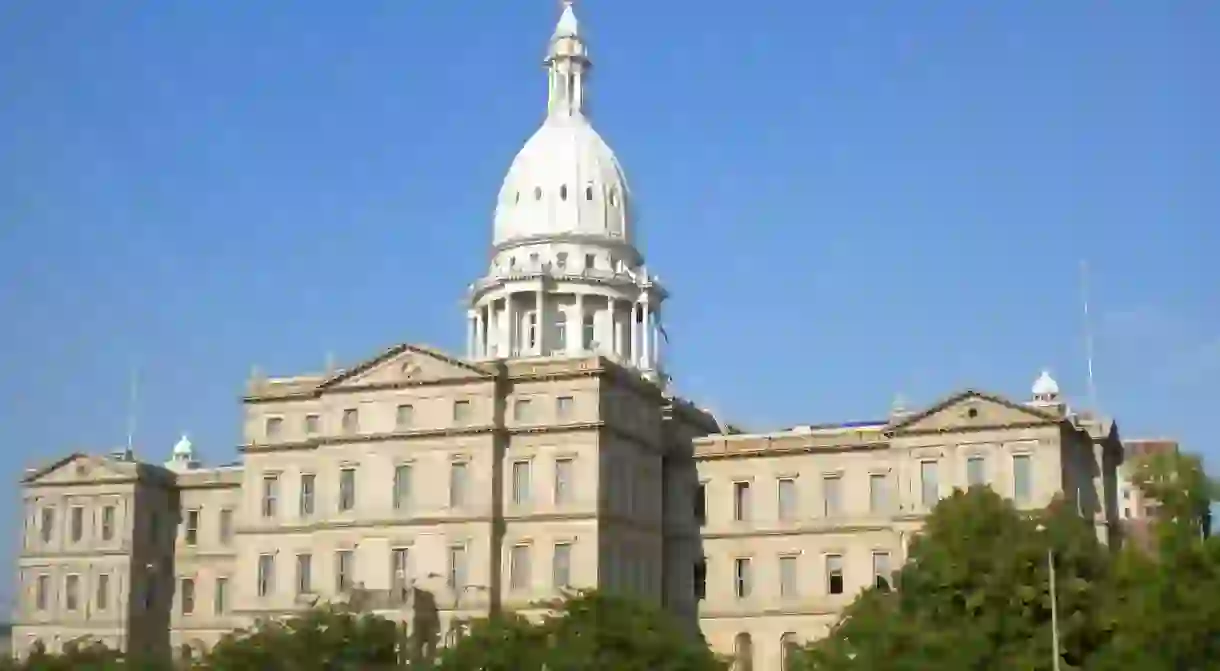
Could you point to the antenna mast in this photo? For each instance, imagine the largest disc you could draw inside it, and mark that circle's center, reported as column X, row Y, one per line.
column 131, row 414
column 1088, row 332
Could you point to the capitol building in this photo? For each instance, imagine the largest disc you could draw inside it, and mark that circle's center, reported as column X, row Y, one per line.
column 431, row 487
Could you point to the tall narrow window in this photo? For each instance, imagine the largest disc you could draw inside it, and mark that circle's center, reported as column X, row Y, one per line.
column 559, row 322
column 271, row 494
column 883, row 575
column 457, row 484
column 787, row 576
column 519, row 568
column 400, row 559
column 344, row 570
column 588, row 332
column 563, row 481
column 929, row 483
column 191, row 535
column 351, row 421
column 590, row 261
column 226, row 527
column 786, row 494
column 309, row 485
column 266, row 574
column 41, row 589
column 701, row 504
column 72, row 592
column 521, row 483
column 741, row 577
column 561, row 567
column 563, row 407
column 1021, row 478
column 186, row 595
column 107, row 523
column 404, row 416
column 304, row 573
column 878, row 494
column 456, row 578
column 531, row 320
column 46, row 525
column 77, row 524
column 103, row 592
column 700, row 579
column 832, row 495
column 975, row 476
column 402, row 487
column 741, row 501
column 347, row 489
column 834, row 574
column 220, row 604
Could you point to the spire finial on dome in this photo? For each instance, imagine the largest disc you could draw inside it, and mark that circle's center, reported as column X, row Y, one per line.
column 567, row 26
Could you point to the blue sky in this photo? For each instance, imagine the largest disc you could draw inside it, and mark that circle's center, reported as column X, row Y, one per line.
column 848, row 200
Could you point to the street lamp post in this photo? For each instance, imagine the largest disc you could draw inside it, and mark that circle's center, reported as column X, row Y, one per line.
column 1050, row 564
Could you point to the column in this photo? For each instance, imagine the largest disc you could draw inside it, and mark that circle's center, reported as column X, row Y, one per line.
column 616, row 329
column 480, row 332
column 656, row 338
column 634, row 345
column 471, row 335
column 645, row 332
column 539, row 314
column 506, row 336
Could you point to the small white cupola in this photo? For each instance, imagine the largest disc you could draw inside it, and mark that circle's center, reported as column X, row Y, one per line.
column 183, row 456
column 1045, row 390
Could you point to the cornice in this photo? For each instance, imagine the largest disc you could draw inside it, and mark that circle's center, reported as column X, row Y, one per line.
column 826, row 527
column 774, row 450
column 973, row 428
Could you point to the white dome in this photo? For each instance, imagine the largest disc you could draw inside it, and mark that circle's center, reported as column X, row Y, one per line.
column 1045, row 385
column 184, row 448
column 564, row 181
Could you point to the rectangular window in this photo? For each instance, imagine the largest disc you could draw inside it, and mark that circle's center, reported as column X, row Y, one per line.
column 563, row 407
column 344, row 570
column 404, row 416
column 41, row 589
column 271, row 495
column 832, row 495
column 274, row 424
column 400, row 559
column 521, row 483
column 929, row 483
column 563, row 481
column 77, row 524
column 561, row 567
column 701, row 504
column 72, row 592
column 457, row 484
column 305, row 573
column 700, row 579
column 878, row 494
column 1021, row 478
column 351, row 421
column 456, row 578
column 883, row 575
column 834, row 574
column 46, row 527
column 347, row 489
column 522, row 410
column 786, row 494
column 187, row 595
column 787, row 576
column 103, row 591
column 590, row 261
column 402, row 487
column 587, row 332
column 107, row 523
column 741, row 577
column 461, row 412
column 266, row 574
column 221, row 604
column 519, row 568
column 741, row 501
column 312, row 424
column 226, row 527
column 191, row 535
column 309, row 486
column 975, row 476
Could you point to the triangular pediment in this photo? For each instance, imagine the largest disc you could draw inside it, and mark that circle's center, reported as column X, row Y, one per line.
column 78, row 466
column 405, row 363
column 970, row 410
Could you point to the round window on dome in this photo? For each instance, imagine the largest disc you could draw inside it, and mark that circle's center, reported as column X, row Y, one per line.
column 537, row 193
column 563, row 192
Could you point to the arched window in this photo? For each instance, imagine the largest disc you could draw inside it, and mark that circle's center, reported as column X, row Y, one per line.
column 588, row 193
column 743, row 653
column 563, row 192
column 788, row 646
column 537, row 193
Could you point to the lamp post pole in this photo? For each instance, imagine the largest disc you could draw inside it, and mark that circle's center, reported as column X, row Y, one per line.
column 1050, row 562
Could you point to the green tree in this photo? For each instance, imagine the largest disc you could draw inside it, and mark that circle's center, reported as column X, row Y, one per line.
column 327, row 638
column 975, row 595
column 1166, row 603
column 587, row 631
